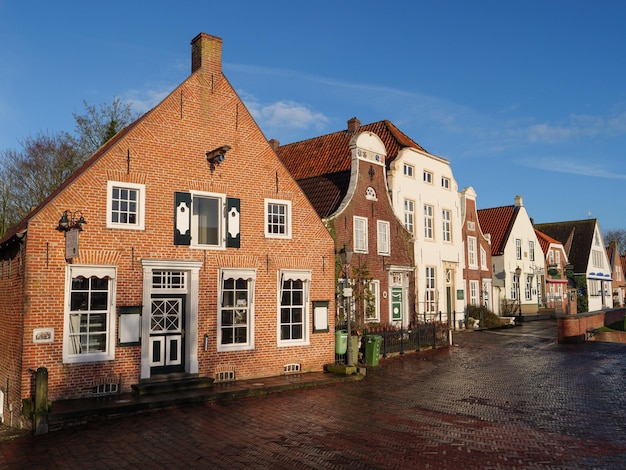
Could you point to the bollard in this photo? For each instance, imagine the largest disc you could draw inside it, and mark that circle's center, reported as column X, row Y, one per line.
column 40, row 414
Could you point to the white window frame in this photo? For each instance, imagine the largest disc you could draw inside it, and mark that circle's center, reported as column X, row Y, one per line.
column 428, row 177
column 360, row 234
column 597, row 259
column 471, row 253
column 293, row 275
column 409, row 215
column 384, row 240
column 249, row 275
column 531, row 250
column 221, row 230
column 557, row 257
column 72, row 272
column 483, row 259
column 446, row 216
column 430, row 292
column 473, row 292
column 375, row 290
column 445, row 182
column 429, row 217
column 408, row 170
column 140, row 221
column 518, row 248
column 286, row 204
column 528, row 287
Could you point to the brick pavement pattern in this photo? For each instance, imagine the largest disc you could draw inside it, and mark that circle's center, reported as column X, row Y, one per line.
column 509, row 399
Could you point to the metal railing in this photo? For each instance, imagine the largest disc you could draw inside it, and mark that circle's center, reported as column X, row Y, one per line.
column 401, row 340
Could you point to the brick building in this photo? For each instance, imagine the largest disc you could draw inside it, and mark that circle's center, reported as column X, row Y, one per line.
column 183, row 268
column 344, row 176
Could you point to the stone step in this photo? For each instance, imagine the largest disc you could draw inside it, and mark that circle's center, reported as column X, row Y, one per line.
column 167, row 386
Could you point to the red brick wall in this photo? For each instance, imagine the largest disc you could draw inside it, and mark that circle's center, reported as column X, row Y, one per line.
column 167, row 153
column 11, row 316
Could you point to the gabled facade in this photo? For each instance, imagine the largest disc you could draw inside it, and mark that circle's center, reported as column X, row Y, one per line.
column 477, row 252
column 586, row 253
column 344, row 176
column 617, row 274
column 425, row 196
column 184, row 269
column 556, row 292
column 518, row 263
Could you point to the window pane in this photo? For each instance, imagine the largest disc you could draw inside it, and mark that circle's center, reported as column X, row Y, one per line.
column 206, row 213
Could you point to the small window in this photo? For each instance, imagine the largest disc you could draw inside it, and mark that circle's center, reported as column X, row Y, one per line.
column 126, row 205
column 531, row 250
column 428, row 177
column 518, row 248
column 445, row 182
column 360, row 234
column 409, row 171
column 277, row 218
column 384, row 247
column 471, row 253
column 471, row 226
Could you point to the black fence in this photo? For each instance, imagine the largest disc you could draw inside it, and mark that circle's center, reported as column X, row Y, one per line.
column 397, row 340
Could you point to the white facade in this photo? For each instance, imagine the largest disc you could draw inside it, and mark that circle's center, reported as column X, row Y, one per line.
column 599, row 282
column 524, row 288
column 425, row 197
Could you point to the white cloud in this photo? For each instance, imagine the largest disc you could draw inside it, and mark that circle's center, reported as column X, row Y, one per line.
column 145, row 100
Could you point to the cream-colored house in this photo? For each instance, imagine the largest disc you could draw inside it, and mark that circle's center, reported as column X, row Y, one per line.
column 425, row 196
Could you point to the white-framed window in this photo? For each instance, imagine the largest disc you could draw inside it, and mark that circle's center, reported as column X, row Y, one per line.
column 428, row 177
column 446, row 217
column 89, row 321
column 471, row 253
column 531, row 250
column 409, row 215
column 445, row 182
column 473, row 293
column 293, row 314
column 430, row 292
column 594, row 288
column 235, row 321
column 277, row 218
column 518, row 248
column 551, row 256
column 428, row 222
column 514, row 286
column 528, row 288
column 360, row 234
column 126, row 205
column 557, row 257
column 409, row 170
column 207, row 220
column 471, row 225
column 372, row 308
column 384, row 244
column 483, row 259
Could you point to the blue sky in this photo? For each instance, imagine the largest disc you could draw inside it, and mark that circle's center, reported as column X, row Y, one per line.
column 525, row 97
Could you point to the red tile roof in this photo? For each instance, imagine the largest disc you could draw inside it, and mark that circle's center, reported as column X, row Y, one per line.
column 545, row 241
column 322, row 165
column 497, row 221
column 330, row 153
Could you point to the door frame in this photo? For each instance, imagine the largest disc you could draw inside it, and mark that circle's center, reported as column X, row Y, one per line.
column 190, row 338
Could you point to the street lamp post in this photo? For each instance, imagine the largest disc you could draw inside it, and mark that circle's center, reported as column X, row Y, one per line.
column 345, row 255
column 518, row 273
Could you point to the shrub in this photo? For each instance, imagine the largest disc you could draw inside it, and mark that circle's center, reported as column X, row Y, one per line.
column 489, row 319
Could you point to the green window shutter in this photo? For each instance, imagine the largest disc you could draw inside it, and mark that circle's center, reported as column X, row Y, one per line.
column 233, row 213
column 182, row 218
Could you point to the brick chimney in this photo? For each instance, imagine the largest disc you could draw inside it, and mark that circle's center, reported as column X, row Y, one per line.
column 274, row 144
column 353, row 125
column 206, row 53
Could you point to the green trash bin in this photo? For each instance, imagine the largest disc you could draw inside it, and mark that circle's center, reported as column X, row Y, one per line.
column 341, row 341
column 372, row 349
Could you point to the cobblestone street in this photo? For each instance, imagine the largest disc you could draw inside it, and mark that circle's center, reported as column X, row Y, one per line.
column 510, row 398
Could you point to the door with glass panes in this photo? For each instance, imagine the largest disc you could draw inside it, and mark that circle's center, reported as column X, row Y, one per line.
column 167, row 333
